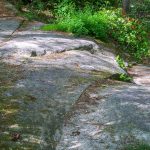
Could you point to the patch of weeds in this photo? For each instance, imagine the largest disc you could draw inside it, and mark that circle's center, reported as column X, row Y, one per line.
column 79, row 22
column 121, row 77
column 128, row 33
column 54, row 27
column 125, row 77
column 121, row 62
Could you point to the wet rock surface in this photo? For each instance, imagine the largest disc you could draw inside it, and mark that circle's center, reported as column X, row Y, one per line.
column 52, row 88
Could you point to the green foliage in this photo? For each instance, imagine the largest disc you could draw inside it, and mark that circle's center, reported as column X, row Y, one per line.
column 121, row 62
column 38, row 5
column 51, row 4
column 79, row 22
column 105, row 24
column 96, row 4
column 54, row 27
column 127, row 32
column 130, row 34
column 97, row 26
column 121, row 77
column 125, row 77
column 65, row 9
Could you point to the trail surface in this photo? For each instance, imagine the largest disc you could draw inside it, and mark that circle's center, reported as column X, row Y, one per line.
column 55, row 93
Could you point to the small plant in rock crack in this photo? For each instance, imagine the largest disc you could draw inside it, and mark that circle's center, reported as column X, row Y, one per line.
column 121, row 62
column 125, row 77
column 121, row 77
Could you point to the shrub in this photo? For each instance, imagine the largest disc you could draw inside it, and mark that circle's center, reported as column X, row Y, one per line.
column 129, row 33
column 84, row 22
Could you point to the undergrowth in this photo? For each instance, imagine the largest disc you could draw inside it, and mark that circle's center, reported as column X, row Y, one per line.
column 105, row 25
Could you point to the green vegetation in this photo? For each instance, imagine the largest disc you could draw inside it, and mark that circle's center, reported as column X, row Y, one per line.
column 106, row 25
column 101, row 19
column 81, row 23
column 125, row 77
column 121, row 77
column 121, row 62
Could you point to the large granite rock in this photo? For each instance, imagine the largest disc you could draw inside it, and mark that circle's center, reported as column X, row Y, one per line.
column 46, row 73
column 52, row 72
column 7, row 27
column 57, row 50
column 108, row 116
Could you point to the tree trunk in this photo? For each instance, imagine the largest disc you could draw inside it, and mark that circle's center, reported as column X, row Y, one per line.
column 125, row 6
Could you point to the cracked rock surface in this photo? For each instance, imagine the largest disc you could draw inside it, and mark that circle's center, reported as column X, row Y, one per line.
column 51, row 92
column 108, row 116
column 55, row 49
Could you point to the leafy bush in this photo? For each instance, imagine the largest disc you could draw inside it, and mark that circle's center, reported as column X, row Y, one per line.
column 127, row 32
column 51, row 4
column 125, row 77
column 96, row 4
column 84, row 22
